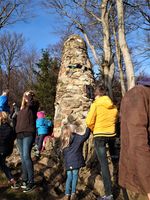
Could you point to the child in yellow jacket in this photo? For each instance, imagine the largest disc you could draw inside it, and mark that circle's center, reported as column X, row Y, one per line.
column 101, row 119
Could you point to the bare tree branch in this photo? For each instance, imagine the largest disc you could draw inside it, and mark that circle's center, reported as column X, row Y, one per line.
column 139, row 9
column 12, row 11
column 11, row 48
column 87, row 10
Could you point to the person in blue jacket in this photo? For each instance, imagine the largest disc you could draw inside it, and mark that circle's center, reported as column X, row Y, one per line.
column 4, row 101
column 42, row 126
column 72, row 147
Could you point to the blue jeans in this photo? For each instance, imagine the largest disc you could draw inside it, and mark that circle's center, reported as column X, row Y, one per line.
column 4, row 167
column 100, row 148
column 71, row 182
column 25, row 146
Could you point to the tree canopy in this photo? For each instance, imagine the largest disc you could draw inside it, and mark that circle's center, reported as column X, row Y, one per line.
column 46, row 80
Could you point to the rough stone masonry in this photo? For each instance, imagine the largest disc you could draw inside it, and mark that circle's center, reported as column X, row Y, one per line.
column 75, row 83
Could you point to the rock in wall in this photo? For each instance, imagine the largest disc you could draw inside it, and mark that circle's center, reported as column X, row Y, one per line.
column 75, row 83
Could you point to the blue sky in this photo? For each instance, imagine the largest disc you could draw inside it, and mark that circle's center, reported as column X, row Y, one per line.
column 39, row 31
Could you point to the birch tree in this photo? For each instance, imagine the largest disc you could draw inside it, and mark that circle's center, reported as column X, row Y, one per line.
column 74, row 11
column 123, row 45
column 118, row 55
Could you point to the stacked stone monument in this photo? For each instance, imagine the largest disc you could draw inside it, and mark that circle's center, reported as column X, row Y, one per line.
column 75, row 83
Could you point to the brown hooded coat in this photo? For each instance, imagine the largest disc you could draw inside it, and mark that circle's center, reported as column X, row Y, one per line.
column 134, row 164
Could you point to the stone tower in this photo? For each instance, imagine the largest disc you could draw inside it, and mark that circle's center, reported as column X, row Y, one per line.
column 75, row 83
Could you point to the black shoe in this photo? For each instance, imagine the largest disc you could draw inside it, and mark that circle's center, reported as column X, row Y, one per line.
column 29, row 187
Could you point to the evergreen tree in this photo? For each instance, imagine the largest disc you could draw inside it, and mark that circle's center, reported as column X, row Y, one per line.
column 45, row 87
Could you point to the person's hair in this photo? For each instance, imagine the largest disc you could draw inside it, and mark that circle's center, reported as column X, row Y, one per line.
column 24, row 103
column 66, row 133
column 100, row 89
column 3, row 117
column 5, row 92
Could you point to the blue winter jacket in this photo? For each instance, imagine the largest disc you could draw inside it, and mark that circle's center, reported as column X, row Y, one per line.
column 4, row 104
column 42, row 126
column 73, row 155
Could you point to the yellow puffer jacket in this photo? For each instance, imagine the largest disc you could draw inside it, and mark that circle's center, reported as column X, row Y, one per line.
column 102, row 117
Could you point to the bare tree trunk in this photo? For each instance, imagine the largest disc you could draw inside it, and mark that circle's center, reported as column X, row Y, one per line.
column 124, row 47
column 108, row 63
column 119, row 60
column 8, row 77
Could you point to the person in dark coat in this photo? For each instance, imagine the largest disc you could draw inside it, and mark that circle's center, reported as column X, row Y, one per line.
column 7, row 137
column 72, row 146
column 134, row 163
column 26, row 132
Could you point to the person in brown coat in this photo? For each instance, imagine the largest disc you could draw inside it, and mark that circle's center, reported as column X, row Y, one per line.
column 134, row 164
column 25, row 132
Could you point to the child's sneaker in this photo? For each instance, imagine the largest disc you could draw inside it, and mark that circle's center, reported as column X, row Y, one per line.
column 29, row 187
column 35, row 147
column 37, row 153
column 110, row 197
column 14, row 184
column 23, row 185
column 73, row 197
column 66, row 197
